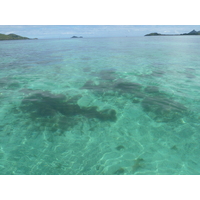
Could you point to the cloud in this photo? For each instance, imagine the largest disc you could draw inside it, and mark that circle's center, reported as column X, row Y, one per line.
column 56, row 31
column 9, row 32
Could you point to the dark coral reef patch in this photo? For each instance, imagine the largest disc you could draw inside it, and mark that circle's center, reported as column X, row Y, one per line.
column 163, row 109
column 154, row 102
column 9, row 83
column 49, row 109
column 119, row 87
column 42, row 103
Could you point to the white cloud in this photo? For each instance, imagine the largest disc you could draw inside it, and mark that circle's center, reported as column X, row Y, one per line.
column 9, row 32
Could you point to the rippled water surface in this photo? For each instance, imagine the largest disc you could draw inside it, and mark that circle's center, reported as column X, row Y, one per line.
column 112, row 106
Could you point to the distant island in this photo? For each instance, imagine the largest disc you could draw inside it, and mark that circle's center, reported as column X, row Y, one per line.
column 190, row 33
column 13, row 36
column 76, row 37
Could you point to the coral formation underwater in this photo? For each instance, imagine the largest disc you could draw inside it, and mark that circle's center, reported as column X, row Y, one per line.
column 46, row 107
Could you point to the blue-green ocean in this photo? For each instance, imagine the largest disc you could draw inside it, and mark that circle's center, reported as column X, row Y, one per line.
column 100, row 106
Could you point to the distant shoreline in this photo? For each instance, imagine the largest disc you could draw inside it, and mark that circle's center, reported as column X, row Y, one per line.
column 14, row 37
column 184, row 34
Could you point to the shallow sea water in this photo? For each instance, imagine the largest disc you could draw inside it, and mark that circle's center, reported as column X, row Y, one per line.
column 100, row 106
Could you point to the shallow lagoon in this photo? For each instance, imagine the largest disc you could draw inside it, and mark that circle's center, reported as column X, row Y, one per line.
column 100, row 106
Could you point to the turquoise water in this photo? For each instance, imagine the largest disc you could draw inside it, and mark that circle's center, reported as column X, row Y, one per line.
column 100, row 106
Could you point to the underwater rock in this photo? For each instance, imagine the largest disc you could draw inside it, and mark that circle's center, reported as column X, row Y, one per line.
column 9, row 83
column 44, row 109
column 120, row 147
column 86, row 100
column 45, row 104
column 70, row 109
column 103, row 115
column 190, row 76
column 136, row 100
column 109, row 84
column 120, row 171
column 42, row 103
column 107, row 75
column 164, row 109
column 107, row 115
column 87, row 69
column 158, row 73
column 89, row 85
column 139, row 95
column 190, row 72
column 105, row 79
column 3, row 82
column 57, row 122
column 151, row 89
column 138, row 165
column 74, row 99
column 128, row 87
column 57, row 114
column 86, row 58
column 13, row 85
column 101, row 88
column 28, row 91
column 189, row 69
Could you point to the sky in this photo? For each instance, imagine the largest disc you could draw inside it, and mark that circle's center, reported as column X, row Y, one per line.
column 99, row 12
column 67, row 31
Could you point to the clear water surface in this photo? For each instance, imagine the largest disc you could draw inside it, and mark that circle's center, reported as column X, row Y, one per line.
column 100, row 106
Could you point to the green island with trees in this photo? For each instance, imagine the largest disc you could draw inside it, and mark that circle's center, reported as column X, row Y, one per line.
column 13, row 36
column 190, row 33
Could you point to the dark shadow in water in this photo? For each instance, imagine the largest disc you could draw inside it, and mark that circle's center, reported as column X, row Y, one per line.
column 99, row 89
column 109, row 84
column 120, row 147
column 108, row 74
column 42, row 103
column 50, row 109
column 127, row 87
column 9, row 83
column 155, row 103
column 164, row 109
column 190, row 73
column 120, row 171
column 152, row 89
column 157, row 73
column 87, row 69
column 89, row 85
column 138, row 165
column 105, row 74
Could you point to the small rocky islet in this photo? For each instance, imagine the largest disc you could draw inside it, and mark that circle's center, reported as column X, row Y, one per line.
column 193, row 32
column 77, row 36
column 13, row 36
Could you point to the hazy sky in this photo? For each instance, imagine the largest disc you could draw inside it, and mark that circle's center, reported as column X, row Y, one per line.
column 66, row 31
